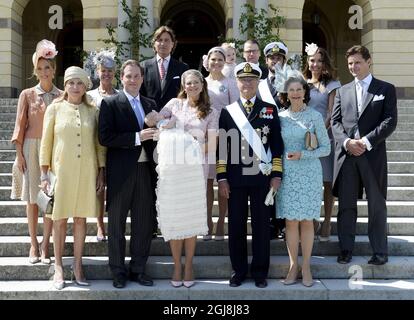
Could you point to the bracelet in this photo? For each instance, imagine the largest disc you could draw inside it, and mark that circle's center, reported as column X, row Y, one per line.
column 44, row 177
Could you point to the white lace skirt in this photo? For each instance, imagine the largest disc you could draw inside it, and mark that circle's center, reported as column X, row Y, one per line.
column 181, row 187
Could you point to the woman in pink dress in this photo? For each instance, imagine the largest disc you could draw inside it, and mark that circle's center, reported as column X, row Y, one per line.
column 222, row 91
column 182, row 170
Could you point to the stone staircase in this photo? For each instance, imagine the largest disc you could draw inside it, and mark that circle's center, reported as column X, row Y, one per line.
column 212, row 268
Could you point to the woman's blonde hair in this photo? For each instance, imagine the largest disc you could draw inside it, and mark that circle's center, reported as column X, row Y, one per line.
column 52, row 63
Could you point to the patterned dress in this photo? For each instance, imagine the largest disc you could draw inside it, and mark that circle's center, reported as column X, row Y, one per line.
column 299, row 197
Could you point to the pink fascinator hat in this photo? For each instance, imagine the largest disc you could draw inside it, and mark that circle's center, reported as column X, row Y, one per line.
column 44, row 49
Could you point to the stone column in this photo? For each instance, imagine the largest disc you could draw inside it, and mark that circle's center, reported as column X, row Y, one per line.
column 237, row 10
column 123, row 34
column 148, row 52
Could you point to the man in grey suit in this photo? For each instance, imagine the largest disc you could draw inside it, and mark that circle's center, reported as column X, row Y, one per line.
column 364, row 115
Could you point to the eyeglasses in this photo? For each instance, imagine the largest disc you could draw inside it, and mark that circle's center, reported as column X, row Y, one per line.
column 251, row 51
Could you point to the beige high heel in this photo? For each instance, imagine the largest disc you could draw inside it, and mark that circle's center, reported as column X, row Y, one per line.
column 82, row 282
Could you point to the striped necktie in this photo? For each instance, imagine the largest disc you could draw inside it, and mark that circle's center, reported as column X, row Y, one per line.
column 248, row 106
column 162, row 69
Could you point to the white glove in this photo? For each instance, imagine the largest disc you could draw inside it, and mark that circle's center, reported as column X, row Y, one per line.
column 270, row 197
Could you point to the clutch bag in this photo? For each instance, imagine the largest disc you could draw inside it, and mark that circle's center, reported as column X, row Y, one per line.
column 311, row 142
column 45, row 200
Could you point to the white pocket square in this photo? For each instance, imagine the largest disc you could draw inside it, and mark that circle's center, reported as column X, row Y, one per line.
column 378, row 98
column 176, row 77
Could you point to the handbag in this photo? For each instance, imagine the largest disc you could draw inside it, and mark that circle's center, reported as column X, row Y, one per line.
column 311, row 142
column 45, row 200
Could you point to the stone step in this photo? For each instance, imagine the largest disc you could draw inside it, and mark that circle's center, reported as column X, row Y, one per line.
column 401, row 136
column 396, row 193
column 212, row 291
column 8, row 109
column 405, row 110
column 8, row 101
column 5, row 179
column 6, row 125
column 19, row 246
column 18, row 226
column 214, row 267
column 404, row 126
column 401, row 179
column 400, row 145
column 406, row 118
column 393, row 156
column 6, row 134
column 5, row 144
column 7, row 155
column 11, row 208
column 394, row 179
column 405, row 103
column 396, row 167
column 6, row 166
column 8, row 116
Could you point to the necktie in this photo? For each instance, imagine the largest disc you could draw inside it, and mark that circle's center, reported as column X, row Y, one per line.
column 162, row 69
column 137, row 111
column 360, row 95
column 248, row 106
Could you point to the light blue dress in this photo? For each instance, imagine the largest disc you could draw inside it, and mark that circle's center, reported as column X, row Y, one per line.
column 319, row 100
column 299, row 197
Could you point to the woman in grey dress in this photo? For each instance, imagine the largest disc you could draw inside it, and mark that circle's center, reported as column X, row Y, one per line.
column 318, row 72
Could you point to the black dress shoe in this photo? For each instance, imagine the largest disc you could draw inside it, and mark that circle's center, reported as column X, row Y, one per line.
column 119, row 281
column 260, row 283
column 235, row 281
column 378, row 259
column 141, row 278
column 345, row 257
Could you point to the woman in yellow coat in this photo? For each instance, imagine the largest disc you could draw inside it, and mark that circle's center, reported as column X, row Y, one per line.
column 71, row 151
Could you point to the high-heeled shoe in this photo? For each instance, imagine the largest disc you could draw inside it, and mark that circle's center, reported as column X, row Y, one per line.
column 58, row 284
column 307, row 283
column 189, row 283
column 176, row 284
column 33, row 259
column 101, row 238
column 43, row 260
column 82, row 282
column 325, row 237
column 288, row 282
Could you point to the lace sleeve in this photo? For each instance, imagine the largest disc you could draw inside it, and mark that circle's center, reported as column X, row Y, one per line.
column 324, row 145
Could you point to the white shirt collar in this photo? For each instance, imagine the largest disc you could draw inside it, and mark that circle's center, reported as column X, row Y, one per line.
column 166, row 59
column 252, row 100
column 40, row 91
column 130, row 98
column 366, row 81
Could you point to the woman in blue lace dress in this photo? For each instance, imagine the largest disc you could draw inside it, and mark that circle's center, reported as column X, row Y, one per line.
column 299, row 197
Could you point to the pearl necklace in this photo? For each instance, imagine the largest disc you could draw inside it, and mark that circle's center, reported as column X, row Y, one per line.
column 298, row 113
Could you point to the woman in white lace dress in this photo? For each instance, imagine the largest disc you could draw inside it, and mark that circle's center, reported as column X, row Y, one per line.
column 182, row 170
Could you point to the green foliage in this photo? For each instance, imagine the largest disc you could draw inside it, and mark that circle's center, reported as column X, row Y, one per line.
column 262, row 25
column 137, row 19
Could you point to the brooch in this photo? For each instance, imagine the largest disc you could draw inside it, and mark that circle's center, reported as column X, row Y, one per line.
column 222, row 88
column 265, row 131
column 266, row 113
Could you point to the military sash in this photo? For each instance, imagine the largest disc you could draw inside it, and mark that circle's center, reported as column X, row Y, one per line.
column 251, row 137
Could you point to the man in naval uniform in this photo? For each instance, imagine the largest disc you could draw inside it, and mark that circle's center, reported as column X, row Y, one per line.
column 248, row 165
column 275, row 53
